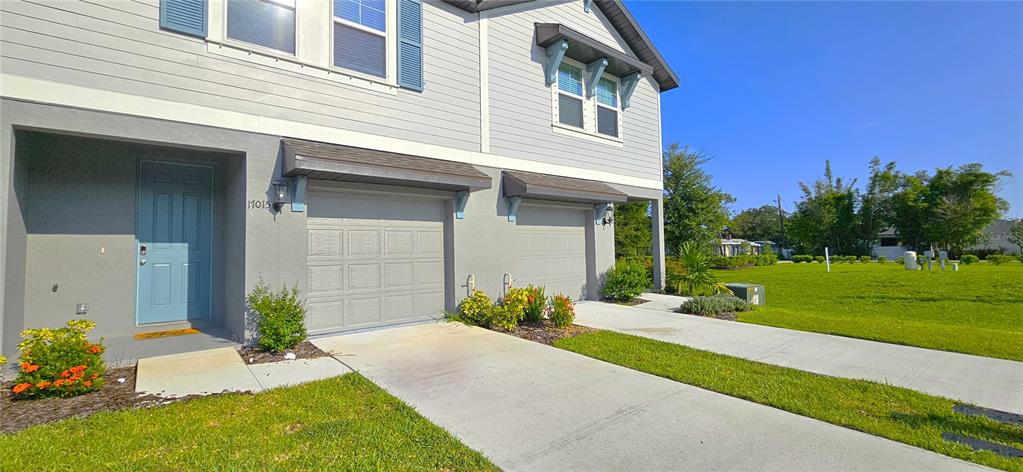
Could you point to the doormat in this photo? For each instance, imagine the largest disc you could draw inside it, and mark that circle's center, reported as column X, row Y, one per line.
column 165, row 334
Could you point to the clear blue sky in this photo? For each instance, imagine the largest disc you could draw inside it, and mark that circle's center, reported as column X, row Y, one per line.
column 772, row 89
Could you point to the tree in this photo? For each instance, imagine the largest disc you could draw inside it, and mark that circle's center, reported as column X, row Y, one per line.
column 694, row 209
column 757, row 224
column 876, row 212
column 826, row 217
column 1016, row 234
column 632, row 230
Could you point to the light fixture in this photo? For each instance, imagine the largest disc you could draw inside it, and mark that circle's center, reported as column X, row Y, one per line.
column 280, row 193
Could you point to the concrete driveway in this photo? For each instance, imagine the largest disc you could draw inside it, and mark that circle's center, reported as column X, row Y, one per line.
column 983, row 381
column 533, row 407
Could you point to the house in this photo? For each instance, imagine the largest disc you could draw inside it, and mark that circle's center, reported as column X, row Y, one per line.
column 995, row 239
column 387, row 156
column 736, row 246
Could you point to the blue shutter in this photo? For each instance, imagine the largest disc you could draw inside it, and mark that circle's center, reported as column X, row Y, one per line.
column 184, row 16
column 410, row 44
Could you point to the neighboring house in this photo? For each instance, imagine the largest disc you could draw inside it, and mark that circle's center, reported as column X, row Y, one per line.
column 888, row 245
column 996, row 238
column 735, row 246
column 163, row 156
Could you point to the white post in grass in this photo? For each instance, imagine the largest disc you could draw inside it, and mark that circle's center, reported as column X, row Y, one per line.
column 827, row 259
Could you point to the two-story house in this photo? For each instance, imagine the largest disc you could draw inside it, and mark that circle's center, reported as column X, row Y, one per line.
column 160, row 157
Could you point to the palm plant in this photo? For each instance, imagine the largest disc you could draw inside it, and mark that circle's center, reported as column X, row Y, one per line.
column 696, row 277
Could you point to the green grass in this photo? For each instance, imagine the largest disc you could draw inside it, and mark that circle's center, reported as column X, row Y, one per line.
column 344, row 423
column 978, row 310
column 892, row 412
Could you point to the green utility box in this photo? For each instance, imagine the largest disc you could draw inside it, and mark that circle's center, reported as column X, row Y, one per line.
column 754, row 294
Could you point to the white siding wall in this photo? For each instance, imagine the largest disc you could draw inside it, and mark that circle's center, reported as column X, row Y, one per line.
column 520, row 101
column 117, row 45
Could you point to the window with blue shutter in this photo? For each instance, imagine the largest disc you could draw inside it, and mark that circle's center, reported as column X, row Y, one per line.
column 184, row 16
column 360, row 36
column 410, row 44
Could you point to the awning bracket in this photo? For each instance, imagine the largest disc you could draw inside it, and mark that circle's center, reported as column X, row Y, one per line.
column 555, row 53
column 599, row 212
column 461, row 198
column 586, row 5
column 629, row 83
column 513, row 207
column 596, row 71
column 298, row 199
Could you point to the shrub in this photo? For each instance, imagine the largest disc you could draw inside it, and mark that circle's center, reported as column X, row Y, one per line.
column 968, row 259
column 505, row 317
column 1019, row 257
column 865, row 259
column 696, row 278
column 476, row 309
column 536, row 304
column 59, row 362
column 802, row 258
column 515, row 303
column 281, row 316
column 673, row 269
column 818, row 259
column 998, row 259
column 625, row 281
column 562, row 311
column 900, row 260
column 715, row 305
column 852, row 259
column 882, row 259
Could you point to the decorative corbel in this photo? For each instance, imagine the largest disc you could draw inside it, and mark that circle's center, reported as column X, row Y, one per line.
column 461, row 198
column 595, row 70
column 629, row 83
column 513, row 207
column 298, row 198
column 555, row 53
column 599, row 212
column 586, row 5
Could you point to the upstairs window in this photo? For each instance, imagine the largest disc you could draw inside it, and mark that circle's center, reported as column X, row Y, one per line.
column 266, row 23
column 570, row 95
column 607, row 107
column 360, row 36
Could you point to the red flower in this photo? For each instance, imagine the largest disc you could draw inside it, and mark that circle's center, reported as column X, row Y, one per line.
column 21, row 387
column 43, row 384
column 29, row 368
column 95, row 349
column 88, row 383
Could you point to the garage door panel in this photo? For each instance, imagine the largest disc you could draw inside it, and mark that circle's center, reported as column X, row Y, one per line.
column 373, row 260
column 552, row 249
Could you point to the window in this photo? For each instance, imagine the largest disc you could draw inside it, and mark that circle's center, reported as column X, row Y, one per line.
column 889, row 242
column 570, row 95
column 607, row 107
column 360, row 36
column 267, row 23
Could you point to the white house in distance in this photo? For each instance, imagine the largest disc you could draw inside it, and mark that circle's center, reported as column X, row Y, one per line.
column 996, row 239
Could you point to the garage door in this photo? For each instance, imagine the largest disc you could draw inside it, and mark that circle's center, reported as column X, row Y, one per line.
column 373, row 260
column 551, row 249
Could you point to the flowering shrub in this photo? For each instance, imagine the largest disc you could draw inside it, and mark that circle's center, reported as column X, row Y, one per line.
column 562, row 311
column 281, row 316
column 59, row 362
column 536, row 304
column 475, row 309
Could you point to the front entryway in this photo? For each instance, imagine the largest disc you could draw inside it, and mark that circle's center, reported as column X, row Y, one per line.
column 374, row 259
column 175, row 242
column 551, row 249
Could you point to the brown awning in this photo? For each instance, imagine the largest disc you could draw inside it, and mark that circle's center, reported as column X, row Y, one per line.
column 351, row 164
column 552, row 187
column 586, row 49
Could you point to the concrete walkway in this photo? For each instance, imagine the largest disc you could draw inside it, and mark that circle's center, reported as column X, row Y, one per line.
column 983, row 381
column 533, row 407
column 223, row 370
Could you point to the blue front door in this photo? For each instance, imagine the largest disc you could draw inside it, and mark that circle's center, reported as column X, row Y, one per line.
column 175, row 242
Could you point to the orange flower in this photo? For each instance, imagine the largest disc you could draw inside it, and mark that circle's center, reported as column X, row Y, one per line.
column 95, row 349
column 21, row 387
column 77, row 369
column 95, row 375
column 29, row 368
column 43, row 384
column 65, row 374
column 59, row 382
column 88, row 383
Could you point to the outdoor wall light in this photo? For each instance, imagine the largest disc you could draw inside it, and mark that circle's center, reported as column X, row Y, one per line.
column 280, row 194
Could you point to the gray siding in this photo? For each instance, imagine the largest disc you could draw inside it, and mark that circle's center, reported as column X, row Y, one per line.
column 520, row 101
column 118, row 46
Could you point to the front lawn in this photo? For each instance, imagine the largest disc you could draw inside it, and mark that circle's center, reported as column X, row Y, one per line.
column 344, row 423
column 892, row 412
column 978, row 310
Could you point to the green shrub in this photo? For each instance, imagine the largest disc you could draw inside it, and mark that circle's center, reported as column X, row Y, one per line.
column 625, row 281
column 514, row 306
column 696, row 277
column 968, row 259
column 562, row 311
column 882, row 259
column 1019, row 257
column 998, row 259
column 900, row 260
column 851, row 259
column 818, row 259
column 865, row 259
column 59, row 362
column 536, row 304
column 715, row 305
column 673, row 270
column 802, row 258
column 476, row 309
column 281, row 316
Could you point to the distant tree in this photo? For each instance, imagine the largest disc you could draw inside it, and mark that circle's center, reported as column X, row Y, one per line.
column 632, row 230
column 876, row 212
column 694, row 209
column 962, row 203
column 757, row 224
column 826, row 217
column 1016, row 234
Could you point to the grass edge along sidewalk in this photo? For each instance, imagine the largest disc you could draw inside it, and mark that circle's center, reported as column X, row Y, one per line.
column 895, row 413
column 342, row 423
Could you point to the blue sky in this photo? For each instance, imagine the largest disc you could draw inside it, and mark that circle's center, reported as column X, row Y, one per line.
column 776, row 88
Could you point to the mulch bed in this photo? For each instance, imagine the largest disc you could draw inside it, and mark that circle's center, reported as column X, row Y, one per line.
column 545, row 333
column 16, row 415
column 633, row 302
column 304, row 350
column 720, row 316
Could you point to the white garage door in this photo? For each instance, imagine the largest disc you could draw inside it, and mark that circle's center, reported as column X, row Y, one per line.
column 551, row 249
column 373, row 260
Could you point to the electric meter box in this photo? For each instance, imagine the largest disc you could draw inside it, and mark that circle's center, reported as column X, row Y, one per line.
column 752, row 293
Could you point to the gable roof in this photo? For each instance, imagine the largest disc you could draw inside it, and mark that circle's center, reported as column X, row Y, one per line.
column 620, row 18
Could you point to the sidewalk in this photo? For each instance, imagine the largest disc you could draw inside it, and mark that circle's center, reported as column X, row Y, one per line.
column 982, row 381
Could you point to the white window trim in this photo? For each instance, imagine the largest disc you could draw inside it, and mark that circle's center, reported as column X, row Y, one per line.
column 617, row 109
column 260, row 48
column 589, row 129
column 390, row 41
column 582, row 96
